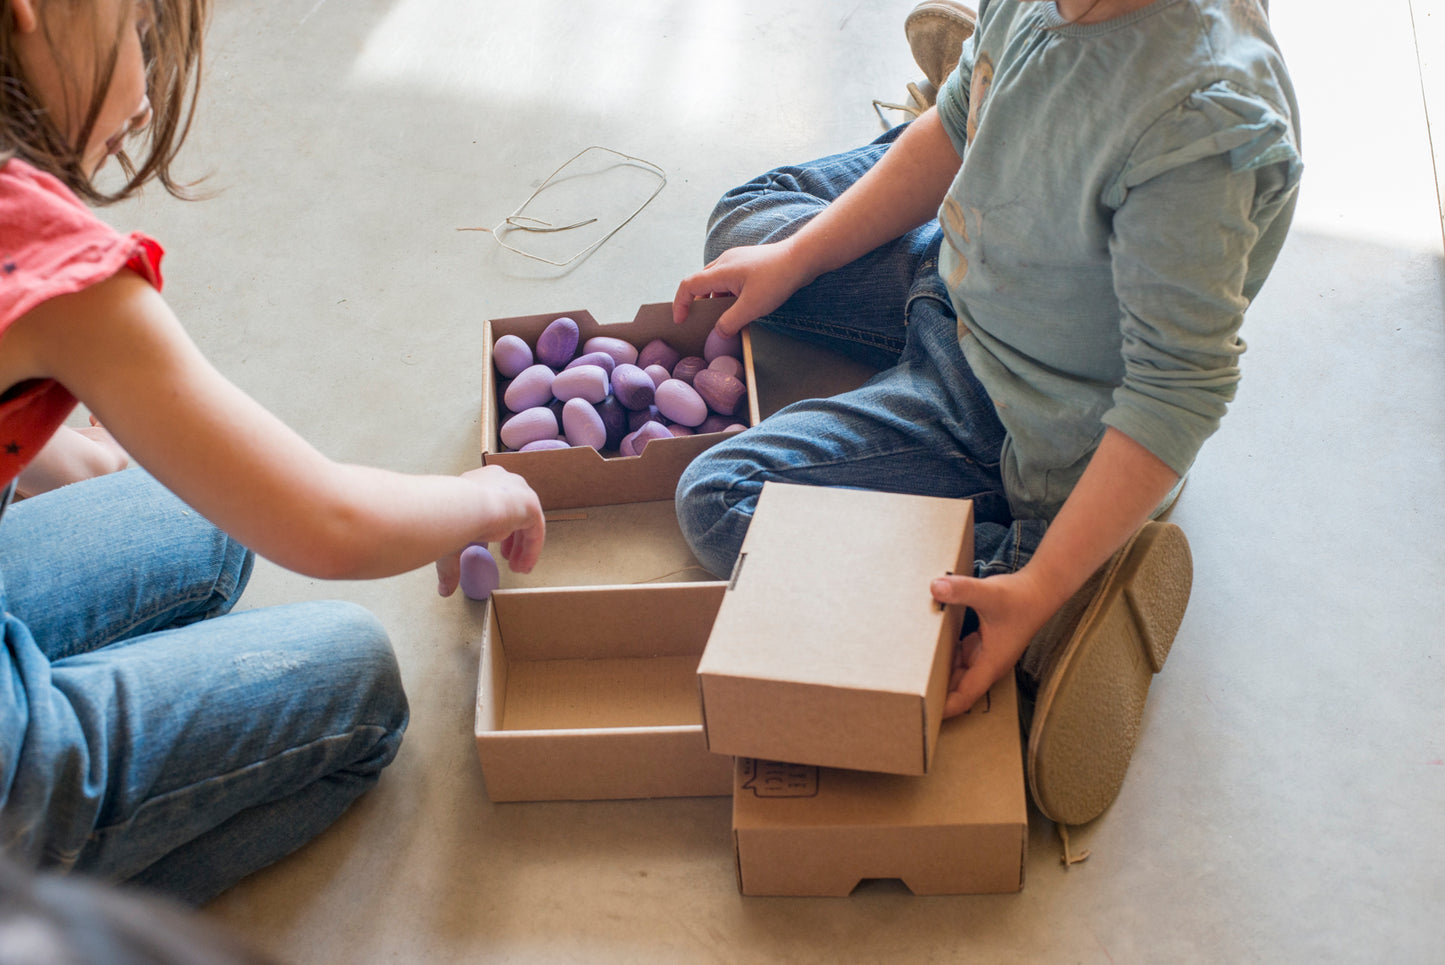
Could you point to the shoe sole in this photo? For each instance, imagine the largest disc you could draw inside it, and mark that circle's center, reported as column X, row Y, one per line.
column 952, row 15
column 1088, row 711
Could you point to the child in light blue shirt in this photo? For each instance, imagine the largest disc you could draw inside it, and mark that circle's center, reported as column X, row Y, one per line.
column 1052, row 268
column 1112, row 219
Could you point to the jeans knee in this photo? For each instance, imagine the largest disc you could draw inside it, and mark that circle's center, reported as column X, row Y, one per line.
column 358, row 646
column 693, row 512
column 702, row 509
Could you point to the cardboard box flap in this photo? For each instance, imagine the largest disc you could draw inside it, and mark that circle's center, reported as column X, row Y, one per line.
column 828, row 578
column 542, row 623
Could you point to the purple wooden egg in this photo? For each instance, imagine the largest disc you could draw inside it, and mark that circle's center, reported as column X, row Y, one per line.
column 558, row 343
column 614, row 418
column 634, row 442
column 480, row 575
column 632, row 386
column 542, row 445
column 582, row 424
column 511, row 355
column 532, row 387
column 680, row 402
column 594, row 358
column 720, row 391
column 716, row 423
column 527, row 426
column 588, row 382
column 727, row 365
column 719, row 344
column 687, row 368
column 678, row 429
column 657, row 373
column 658, row 352
column 620, row 349
column 636, row 420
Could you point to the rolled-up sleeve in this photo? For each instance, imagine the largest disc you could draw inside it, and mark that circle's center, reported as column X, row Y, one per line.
column 1186, row 247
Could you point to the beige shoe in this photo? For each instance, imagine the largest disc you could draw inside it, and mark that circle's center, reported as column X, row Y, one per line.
column 1113, row 637
column 936, row 31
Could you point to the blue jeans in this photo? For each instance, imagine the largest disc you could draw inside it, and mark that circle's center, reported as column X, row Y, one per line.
column 922, row 425
column 147, row 734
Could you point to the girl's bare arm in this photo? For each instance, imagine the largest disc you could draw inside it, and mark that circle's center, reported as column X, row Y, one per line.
column 119, row 349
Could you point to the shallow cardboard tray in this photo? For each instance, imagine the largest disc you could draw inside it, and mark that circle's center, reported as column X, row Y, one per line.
column 579, row 476
column 591, row 693
column 961, row 829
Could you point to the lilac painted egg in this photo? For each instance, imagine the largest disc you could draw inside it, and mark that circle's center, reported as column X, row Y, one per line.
column 680, row 402
column 588, row 382
column 511, row 355
column 532, row 387
column 594, row 358
column 620, row 349
column 719, row 344
column 529, row 425
column 635, row 442
column 480, row 575
column 582, row 425
column 542, row 445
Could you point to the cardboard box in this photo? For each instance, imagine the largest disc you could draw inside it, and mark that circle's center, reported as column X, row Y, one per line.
column 962, row 829
column 828, row 648
column 569, row 478
column 591, row 693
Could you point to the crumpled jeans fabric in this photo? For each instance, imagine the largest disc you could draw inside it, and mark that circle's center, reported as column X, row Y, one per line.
column 147, row 733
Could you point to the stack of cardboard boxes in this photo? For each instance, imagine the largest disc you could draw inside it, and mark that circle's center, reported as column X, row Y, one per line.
column 809, row 685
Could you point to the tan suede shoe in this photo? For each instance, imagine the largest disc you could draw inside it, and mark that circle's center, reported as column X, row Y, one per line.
column 936, row 31
column 1112, row 638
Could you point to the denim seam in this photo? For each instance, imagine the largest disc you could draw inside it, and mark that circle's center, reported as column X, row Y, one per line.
column 125, row 631
column 160, row 606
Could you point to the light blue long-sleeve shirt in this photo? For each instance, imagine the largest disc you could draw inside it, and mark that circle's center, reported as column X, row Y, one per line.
column 1125, row 189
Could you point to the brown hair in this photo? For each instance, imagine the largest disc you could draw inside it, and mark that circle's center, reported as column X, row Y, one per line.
column 173, row 69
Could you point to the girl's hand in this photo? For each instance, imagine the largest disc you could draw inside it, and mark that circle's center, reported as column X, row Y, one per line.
column 761, row 276
column 70, row 456
column 1010, row 608
column 517, row 524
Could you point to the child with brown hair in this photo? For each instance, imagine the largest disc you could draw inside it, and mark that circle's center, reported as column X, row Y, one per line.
column 146, row 734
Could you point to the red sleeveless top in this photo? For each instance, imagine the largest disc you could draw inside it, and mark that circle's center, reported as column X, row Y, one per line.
column 50, row 244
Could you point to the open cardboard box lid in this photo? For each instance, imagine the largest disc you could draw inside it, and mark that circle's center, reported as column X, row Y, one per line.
column 828, row 647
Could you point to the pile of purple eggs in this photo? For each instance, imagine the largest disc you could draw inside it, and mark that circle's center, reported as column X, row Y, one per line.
column 610, row 394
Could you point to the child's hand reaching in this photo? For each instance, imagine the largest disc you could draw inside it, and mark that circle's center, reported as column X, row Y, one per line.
column 762, row 277
column 518, row 525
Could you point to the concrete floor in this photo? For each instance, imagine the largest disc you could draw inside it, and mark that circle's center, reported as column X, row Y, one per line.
column 1287, row 802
